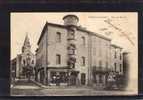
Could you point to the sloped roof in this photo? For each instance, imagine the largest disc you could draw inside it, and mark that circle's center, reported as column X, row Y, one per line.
column 26, row 41
column 78, row 28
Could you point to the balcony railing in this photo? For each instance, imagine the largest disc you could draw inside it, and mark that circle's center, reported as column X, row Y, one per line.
column 71, row 52
column 72, row 60
column 72, row 56
column 101, row 69
column 71, row 46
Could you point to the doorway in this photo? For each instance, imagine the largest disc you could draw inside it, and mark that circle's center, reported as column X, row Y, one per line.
column 83, row 78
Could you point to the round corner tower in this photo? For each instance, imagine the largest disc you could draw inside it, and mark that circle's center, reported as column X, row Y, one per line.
column 70, row 20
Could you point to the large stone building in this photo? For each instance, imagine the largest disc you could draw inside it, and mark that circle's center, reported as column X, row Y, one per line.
column 73, row 54
column 23, row 61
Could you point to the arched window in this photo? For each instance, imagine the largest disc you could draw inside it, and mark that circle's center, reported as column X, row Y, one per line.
column 23, row 62
column 83, row 40
column 32, row 61
column 120, row 67
column 72, row 35
column 58, row 59
column 58, row 37
column 83, row 61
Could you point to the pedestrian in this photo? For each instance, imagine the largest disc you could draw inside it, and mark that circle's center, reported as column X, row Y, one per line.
column 110, row 80
column 54, row 79
column 77, row 81
column 58, row 80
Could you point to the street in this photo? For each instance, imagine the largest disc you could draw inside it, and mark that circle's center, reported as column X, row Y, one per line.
column 24, row 88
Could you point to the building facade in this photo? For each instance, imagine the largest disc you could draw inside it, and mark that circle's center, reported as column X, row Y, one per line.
column 72, row 54
column 25, row 60
column 117, row 59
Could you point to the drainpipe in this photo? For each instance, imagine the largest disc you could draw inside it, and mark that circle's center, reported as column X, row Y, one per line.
column 90, row 61
column 46, row 73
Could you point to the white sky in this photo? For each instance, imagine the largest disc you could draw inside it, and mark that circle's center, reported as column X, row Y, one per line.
column 33, row 23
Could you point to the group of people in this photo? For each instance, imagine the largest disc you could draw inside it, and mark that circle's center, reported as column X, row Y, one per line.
column 71, row 80
column 56, row 80
column 114, row 80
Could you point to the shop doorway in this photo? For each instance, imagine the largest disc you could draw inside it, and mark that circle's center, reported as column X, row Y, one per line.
column 83, row 78
column 73, row 78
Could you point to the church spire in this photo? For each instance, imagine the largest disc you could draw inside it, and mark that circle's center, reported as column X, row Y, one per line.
column 26, row 45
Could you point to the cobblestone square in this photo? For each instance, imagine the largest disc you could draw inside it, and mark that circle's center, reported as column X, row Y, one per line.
column 32, row 89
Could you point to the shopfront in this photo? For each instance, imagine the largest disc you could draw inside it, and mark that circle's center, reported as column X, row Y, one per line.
column 62, row 76
column 100, row 77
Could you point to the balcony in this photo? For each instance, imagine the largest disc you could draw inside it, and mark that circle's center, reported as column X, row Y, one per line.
column 71, row 52
column 71, row 46
column 100, row 69
column 71, row 60
column 72, row 56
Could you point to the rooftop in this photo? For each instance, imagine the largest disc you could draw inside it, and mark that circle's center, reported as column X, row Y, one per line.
column 70, row 16
column 78, row 28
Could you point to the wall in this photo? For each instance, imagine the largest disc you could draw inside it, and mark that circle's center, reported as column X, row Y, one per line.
column 82, row 51
column 100, row 52
column 57, row 47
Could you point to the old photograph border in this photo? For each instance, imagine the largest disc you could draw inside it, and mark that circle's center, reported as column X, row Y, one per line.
column 5, row 31
column 116, row 65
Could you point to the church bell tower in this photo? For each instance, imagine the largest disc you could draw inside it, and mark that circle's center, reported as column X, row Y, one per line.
column 26, row 46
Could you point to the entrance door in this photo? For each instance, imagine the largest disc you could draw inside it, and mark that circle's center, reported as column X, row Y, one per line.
column 42, row 76
column 73, row 78
column 100, row 79
column 83, row 78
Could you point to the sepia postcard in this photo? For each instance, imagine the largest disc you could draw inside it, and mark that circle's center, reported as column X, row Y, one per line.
column 74, row 53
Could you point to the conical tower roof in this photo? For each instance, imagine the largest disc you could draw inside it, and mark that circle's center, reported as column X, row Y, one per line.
column 26, row 45
column 27, row 40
